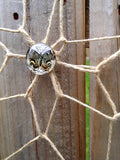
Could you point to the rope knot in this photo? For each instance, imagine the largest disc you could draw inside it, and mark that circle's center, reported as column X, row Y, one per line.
column 116, row 116
column 20, row 29
column 63, row 39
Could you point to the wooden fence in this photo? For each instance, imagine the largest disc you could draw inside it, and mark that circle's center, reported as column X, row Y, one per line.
column 104, row 22
column 67, row 129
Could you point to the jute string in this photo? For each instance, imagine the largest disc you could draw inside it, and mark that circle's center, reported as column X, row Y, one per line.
column 59, row 93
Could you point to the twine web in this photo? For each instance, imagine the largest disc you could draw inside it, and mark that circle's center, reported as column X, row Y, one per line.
column 57, row 88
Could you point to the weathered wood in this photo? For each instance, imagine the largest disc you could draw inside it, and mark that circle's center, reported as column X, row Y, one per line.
column 68, row 120
column 16, row 127
column 67, row 129
column 104, row 22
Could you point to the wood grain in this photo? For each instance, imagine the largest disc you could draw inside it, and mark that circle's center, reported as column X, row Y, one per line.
column 104, row 22
column 67, row 129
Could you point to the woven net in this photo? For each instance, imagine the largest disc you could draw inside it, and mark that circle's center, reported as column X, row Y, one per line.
column 56, row 85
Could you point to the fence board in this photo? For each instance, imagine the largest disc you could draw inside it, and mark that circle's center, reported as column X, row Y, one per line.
column 104, row 22
column 67, row 129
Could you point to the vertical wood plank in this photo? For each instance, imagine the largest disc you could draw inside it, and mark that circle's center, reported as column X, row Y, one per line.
column 104, row 22
column 68, row 126
column 67, row 129
column 16, row 127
